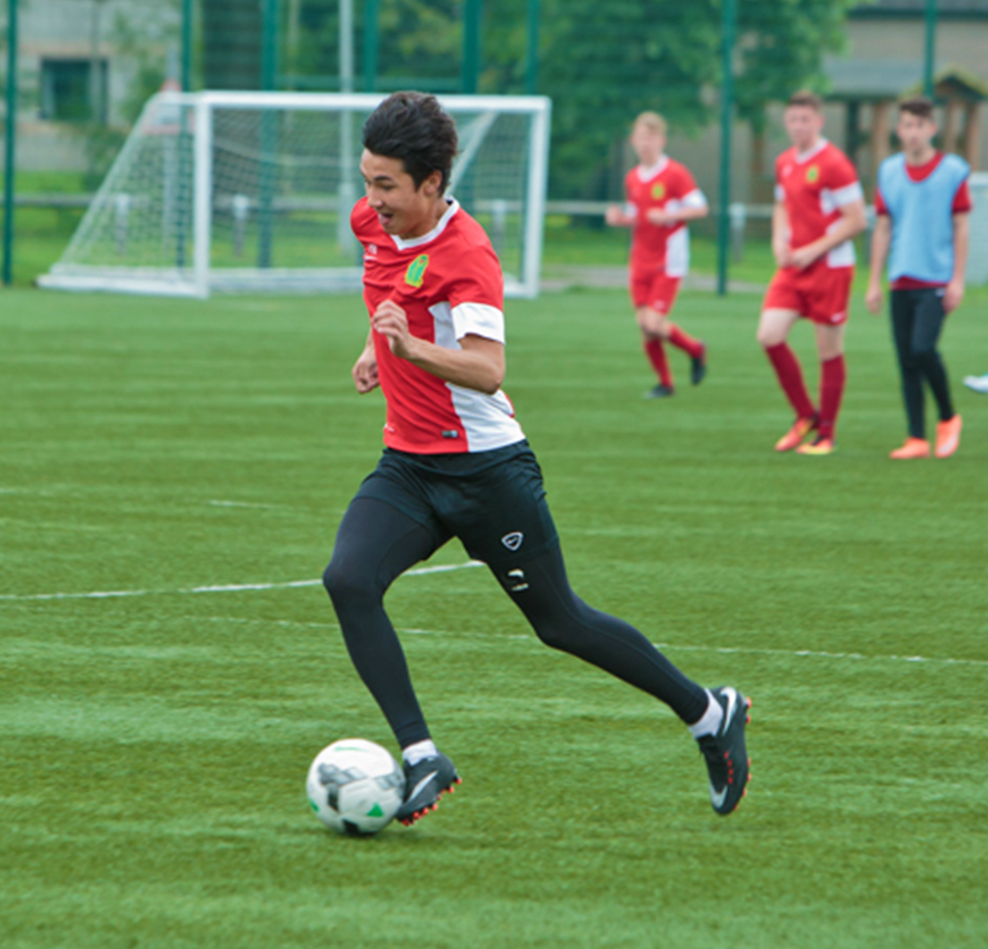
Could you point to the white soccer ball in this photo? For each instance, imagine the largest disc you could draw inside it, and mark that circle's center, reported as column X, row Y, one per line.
column 355, row 786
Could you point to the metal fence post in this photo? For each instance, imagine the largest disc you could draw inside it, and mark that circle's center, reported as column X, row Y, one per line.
column 10, row 149
column 471, row 46
column 729, row 14
column 929, row 58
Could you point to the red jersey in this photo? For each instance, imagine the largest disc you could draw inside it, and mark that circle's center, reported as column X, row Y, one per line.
column 668, row 185
column 815, row 185
column 449, row 283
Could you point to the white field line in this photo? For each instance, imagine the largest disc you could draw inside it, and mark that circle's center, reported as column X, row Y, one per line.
column 222, row 588
column 786, row 653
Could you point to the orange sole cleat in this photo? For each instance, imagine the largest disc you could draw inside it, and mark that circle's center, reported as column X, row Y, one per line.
column 820, row 446
column 913, row 448
column 948, row 437
column 796, row 434
column 418, row 815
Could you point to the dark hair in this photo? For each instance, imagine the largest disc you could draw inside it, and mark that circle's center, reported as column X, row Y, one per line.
column 413, row 127
column 919, row 106
column 806, row 98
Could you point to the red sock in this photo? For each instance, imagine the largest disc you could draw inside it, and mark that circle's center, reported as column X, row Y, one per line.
column 833, row 373
column 657, row 357
column 684, row 341
column 791, row 379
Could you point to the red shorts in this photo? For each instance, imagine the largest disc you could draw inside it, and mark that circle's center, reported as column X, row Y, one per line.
column 820, row 293
column 654, row 290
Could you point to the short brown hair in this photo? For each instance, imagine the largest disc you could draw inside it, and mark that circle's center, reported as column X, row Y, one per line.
column 919, row 106
column 653, row 121
column 806, row 98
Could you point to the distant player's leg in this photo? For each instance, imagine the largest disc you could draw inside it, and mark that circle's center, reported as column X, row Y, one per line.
column 640, row 288
column 833, row 377
column 903, row 321
column 661, row 299
column 927, row 325
column 375, row 544
column 773, row 332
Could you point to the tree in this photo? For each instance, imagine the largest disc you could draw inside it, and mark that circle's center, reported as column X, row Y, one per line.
column 782, row 48
column 603, row 63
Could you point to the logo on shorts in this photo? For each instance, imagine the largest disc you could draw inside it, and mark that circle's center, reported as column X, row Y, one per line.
column 416, row 271
column 658, row 191
column 515, row 580
column 513, row 540
column 813, row 174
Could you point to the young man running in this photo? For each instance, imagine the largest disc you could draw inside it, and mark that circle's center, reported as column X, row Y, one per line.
column 456, row 462
column 662, row 198
column 922, row 203
column 819, row 208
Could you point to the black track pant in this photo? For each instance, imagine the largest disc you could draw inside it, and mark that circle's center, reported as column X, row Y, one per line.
column 377, row 542
column 917, row 320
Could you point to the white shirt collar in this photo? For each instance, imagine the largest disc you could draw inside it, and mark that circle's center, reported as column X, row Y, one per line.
column 454, row 206
column 647, row 174
column 810, row 152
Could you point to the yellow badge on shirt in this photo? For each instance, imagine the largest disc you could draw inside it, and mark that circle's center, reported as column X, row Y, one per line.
column 416, row 271
column 658, row 191
column 812, row 173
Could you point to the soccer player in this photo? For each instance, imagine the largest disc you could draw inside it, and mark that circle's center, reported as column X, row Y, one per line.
column 819, row 208
column 662, row 198
column 922, row 202
column 456, row 462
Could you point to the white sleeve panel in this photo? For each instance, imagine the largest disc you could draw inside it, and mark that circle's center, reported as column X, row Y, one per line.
column 695, row 199
column 847, row 195
column 780, row 194
column 631, row 209
column 480, row 320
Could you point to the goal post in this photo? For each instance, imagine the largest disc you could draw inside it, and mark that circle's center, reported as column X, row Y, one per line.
column 251, row 192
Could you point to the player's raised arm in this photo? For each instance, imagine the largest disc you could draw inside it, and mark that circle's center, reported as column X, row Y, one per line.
column 364, row 370
column 479, row 363
column 852, row 222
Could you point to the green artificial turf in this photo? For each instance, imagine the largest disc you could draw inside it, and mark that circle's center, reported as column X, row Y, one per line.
column 154, row 746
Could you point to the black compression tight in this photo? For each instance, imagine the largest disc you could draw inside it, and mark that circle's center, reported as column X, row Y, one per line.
column 376, row 543
column 917, row 320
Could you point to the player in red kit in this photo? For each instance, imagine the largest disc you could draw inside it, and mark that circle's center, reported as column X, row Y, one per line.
column 456, row 462
column 662, row 198
column 819, row 208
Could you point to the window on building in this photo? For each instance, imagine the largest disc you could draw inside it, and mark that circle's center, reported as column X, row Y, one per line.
column 69, row 92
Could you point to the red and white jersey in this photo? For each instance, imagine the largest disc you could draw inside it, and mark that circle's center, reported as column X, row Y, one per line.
column 669, row 186
column 449, row 283
column 815, row 185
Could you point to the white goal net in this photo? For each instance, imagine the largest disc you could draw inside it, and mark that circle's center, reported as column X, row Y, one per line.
column 249, row 191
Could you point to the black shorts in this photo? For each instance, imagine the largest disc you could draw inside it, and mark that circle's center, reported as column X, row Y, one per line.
column 493, row 501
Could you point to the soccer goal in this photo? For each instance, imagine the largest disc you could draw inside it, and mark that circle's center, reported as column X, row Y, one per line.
column 250, row 191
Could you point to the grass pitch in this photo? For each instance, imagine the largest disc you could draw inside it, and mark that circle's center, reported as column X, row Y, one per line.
column 155, row 744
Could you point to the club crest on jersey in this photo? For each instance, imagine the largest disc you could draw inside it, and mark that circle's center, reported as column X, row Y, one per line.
column 813, row 174
column 513, row 540
column 416, row 271
column 658, row 191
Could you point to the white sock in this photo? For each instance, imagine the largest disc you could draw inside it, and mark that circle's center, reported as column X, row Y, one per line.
column 413, row 754
column 711, row 721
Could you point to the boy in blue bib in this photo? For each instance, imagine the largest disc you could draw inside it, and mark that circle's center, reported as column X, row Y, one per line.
column 922, row 202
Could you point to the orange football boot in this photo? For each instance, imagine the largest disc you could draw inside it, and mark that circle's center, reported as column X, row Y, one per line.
column 948, row 437
column 913, row 448
column 799, row 431
column 819, row 446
